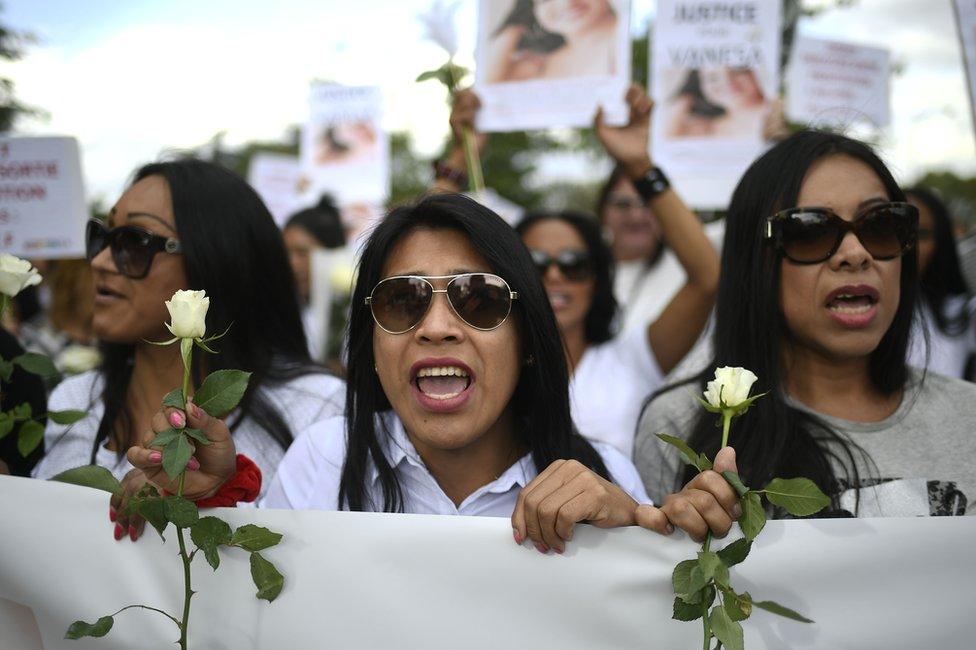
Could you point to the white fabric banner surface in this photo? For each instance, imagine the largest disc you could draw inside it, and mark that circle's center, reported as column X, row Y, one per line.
column 355, row 580
column 277, row 180
column 42, row 198
column 714, row 74
column 836, row 83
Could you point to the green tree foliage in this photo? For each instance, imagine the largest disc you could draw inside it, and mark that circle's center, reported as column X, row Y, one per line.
column 13, row 44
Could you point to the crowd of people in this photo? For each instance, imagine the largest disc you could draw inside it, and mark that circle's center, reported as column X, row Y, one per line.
column 524, row 371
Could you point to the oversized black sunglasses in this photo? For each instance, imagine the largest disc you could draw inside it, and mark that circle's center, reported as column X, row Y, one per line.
column 133, row 248
column 482, row 300
column 573, row 264
column 813, row 235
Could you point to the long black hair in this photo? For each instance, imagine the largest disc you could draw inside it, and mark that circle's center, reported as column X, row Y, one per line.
column 600, row 317
column 233, row 250
column 534, row 37
column 943, row 277
column 780, row 439
column 322, row 221
column 540, row 402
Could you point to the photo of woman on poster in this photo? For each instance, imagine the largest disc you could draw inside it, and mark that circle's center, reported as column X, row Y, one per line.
column 344, row 142
column 551, row 39
column 719, row 102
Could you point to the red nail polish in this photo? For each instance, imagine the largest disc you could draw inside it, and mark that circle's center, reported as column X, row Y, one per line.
column 542, row 548
column 515, row 534
column 560, row 551
column 133, row 535
column 155, row 457
column 176, row 420
column 118, row 532
column 111, row 513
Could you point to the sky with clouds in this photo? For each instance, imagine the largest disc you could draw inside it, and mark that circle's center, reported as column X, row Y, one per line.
column 133, row 80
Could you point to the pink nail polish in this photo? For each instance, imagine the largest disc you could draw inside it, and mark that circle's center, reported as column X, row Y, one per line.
column 193, row 464
column 177, row 420
column 560, row 551
column 542, row 548
column 133, row 535
column 195, row 410
column 155, row 457
column 118, row 532
column 111, row 513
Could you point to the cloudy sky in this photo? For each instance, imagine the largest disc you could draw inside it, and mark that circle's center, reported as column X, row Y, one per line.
column 134, row 79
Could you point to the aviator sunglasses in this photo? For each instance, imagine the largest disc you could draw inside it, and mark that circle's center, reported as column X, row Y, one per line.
column 482, row 300
column 573, row 264
column 133, row 248
column 813, row 235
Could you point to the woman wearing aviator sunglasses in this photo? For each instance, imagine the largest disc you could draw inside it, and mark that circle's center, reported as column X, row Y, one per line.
column 818, row 300
column 188, row 224
column 457, row 398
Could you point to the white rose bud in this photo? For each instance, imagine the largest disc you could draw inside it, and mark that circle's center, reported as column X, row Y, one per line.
column 730, row 388
column 16, row 274
column 76, row 359
column 188, row 314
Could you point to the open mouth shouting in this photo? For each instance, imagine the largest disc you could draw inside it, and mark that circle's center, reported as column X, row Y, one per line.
column 441, row 385
column 853, row 306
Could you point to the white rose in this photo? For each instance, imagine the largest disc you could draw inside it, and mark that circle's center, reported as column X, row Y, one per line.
column 188, row 314
column 341, row 279
column 730, row 387
column 76, row 359
column 15, row 274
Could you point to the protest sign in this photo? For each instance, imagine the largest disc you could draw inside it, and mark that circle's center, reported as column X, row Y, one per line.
column 42, row 198
column 835, row 83
column 714, row 74
column 364, row 580
column 547, row 64
column 966, row 24
column 277, row 180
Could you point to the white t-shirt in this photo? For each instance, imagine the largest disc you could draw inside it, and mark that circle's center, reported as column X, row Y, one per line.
column 643, row 292
column 947, row 354
column 301, row 402
column 309, row 474
column 609, row 386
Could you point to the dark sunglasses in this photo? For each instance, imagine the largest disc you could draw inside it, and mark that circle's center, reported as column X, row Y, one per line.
column 573, row 264
column 482, row 300
column 813, row 235
column 133, row 248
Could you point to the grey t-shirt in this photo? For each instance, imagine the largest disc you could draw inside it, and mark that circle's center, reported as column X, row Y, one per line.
column 924, row 454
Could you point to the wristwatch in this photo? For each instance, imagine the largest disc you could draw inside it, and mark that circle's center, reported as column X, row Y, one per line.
column 652, row 183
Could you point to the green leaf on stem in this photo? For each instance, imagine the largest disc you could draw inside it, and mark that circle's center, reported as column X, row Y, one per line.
column 693, row 458
column 6, row 425
column 93, row 476
column 153, row 510
column 36, row 364
column 254, row 538
column 736, row 482
column 163, row 438
column 737, row 606
column 735, row 552
column 31, row 435
column 197, row 435
column 176, row 454
column 708, row 562
column 266, row 578
column 221, row 391
column 6, row 369
column 705, row 596
column 81, row 629
column 798, row 496
column 203, row 346
column 697, row 580
column 174, row 398
column 753, row 517
column 21, row 411
column 725, row 629
column 181, row 512
column 681, row 577
column 209, row 533
column 778, row 609
column 686, row 612
column 66, row 417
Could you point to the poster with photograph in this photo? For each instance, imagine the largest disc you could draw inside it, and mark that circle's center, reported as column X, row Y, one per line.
column 835, row 83
column 277, row 180
column 346, row 153
column 42, row 198
column 714, row 76
column 966, row 23
column 542, row 64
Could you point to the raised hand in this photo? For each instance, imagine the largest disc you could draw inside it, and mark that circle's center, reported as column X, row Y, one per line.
column 628, row 144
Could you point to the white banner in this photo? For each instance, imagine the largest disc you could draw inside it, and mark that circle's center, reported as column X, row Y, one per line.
column 277, row 180
column 966, row 22
column 355, row 580
column 42, row 198
column 837, row 83
column 543, row 64
column 714, row 74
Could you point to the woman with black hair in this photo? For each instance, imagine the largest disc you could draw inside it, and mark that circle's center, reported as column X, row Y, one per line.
column 457, row 400
column 189, row 224
column 817, row 296
column 944, row 339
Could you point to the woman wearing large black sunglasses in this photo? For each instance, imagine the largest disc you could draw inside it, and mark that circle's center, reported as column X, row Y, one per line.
column 189, row 224
column 817, row 297
column 457, row 400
